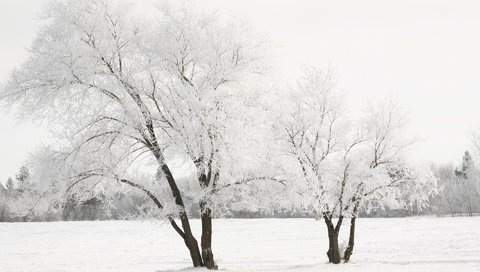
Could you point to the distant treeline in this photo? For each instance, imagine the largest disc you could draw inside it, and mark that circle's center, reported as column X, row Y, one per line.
column 459, row 195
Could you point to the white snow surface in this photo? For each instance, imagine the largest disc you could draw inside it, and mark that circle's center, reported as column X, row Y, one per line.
column 394, row 244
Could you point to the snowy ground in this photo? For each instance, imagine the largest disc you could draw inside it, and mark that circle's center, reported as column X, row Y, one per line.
column 406, row 244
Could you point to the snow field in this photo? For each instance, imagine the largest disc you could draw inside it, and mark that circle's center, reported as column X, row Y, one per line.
column 382, row 244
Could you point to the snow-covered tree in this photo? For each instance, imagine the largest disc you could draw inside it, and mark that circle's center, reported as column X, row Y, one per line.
column 9, row 185
column 7, row 196
column 121, row 88
column 460, row 188
column 467, row 183
column 340, row 167
column 23, row 179
column 3, row 203
column 463, row 190
column 18, row 196
column 22, row 196
column 466, row 166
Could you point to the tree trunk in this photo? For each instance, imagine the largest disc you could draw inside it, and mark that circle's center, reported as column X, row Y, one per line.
column 206, row 216
column 351, row 240
column 470, row 207
column 189, row 239
column 207, row 253
column 333, row 252
column 192, row 246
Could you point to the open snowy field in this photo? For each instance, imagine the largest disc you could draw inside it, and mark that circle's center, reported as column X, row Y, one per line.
column 400, row 244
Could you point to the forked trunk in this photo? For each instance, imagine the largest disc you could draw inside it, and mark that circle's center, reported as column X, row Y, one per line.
column 333, row 252
column 188, row 237
column 207, row 253
column 351, row 240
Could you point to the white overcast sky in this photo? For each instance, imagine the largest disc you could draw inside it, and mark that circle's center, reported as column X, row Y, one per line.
column 426, row 54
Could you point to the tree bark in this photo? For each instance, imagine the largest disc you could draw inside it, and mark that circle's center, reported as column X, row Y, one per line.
column 207, row 253
column 192, row 246
column 189, row 239
column 333, row 252
column 206, row 217
column 351, row 240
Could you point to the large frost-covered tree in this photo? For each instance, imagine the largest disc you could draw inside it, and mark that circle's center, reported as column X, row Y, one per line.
column 339, row 166
column 121, row 88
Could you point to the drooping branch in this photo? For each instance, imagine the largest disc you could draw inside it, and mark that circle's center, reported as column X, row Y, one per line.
column 246, row 181
column 157, row 202
column 95, row 173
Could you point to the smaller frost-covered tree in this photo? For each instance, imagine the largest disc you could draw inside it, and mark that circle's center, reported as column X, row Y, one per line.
column 340, row 167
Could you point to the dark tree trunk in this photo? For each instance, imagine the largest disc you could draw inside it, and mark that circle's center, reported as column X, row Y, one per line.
column 207, row 253
column 333, row 252
column 192, row 246
column 351, row 240
column 189, row 239
column 152, row 144
column 206, row 216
